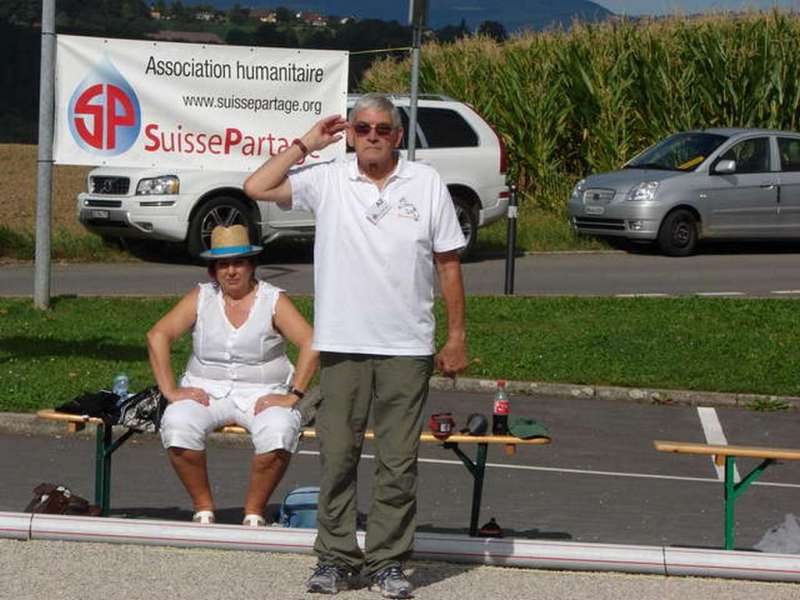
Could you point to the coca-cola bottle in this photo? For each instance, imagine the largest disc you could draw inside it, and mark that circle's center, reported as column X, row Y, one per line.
column 500, row 409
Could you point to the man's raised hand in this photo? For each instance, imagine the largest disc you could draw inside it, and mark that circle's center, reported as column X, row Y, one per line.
column 325, row 132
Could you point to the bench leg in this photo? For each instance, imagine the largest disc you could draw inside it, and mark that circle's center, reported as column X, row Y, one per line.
column 477, row 488
column 105, row 446
column 730, row 502
column 734, row 490
column 102, row 468
column 477, row 469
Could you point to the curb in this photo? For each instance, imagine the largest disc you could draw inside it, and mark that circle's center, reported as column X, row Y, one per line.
column 568, row 391
column 29, row 424
column 665, row 561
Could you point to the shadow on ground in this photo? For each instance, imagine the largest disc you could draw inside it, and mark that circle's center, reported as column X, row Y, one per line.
column 20, row 347
column 231, row 515
column 528, row 534
column 714, row 247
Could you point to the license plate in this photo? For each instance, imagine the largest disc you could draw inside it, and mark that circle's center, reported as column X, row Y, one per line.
column 99, row 214
column 594, row 210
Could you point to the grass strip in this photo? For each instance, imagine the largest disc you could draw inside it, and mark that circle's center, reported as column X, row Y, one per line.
column 65, row 245
column 712, row 344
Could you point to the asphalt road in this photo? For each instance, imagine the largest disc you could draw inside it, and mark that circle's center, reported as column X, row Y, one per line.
column 770, row 272
column 599, row 481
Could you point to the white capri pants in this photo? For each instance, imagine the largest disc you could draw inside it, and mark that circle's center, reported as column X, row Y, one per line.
column 186, row 423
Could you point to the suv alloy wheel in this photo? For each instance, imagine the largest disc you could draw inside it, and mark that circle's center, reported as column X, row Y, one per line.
column 222, row 210
column 468, row 221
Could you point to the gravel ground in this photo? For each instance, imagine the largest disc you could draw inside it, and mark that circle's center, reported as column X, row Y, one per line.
column 69, row 570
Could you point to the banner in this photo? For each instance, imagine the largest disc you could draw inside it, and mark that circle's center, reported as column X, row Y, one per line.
column 227, row 108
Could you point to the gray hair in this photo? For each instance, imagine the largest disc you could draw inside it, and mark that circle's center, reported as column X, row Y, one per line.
column 377, row 102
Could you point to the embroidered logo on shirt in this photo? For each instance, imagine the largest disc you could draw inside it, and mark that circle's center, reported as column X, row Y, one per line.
column 407, row 210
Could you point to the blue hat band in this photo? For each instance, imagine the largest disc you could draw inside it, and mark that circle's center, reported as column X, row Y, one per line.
column 230, row 250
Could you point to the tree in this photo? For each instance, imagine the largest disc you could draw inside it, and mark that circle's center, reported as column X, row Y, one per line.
column 238, row 37
column 178, row 11
column 451, row 33
column 20, row 12
column 284, row 15
column 112, row 18
column 318, row 37
column 494, row 30
column 238, row 15
column 369, row 34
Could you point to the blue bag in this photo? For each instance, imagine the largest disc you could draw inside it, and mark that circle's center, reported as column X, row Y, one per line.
column 299, row 508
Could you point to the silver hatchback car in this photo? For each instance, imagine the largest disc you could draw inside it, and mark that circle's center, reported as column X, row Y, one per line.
column 714, row 183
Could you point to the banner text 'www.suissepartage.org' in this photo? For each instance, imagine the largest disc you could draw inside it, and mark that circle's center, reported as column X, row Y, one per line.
column 283, row 105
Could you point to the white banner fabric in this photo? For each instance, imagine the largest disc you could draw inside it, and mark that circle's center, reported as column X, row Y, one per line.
column 223, row 108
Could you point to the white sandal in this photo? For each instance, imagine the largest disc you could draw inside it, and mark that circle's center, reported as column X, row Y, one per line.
column 204, row 517
column 253, row 520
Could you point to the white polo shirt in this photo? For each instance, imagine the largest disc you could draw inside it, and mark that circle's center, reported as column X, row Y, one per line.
column 373, row 278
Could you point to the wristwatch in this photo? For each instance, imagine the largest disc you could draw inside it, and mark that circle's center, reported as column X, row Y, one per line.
column 294, row 391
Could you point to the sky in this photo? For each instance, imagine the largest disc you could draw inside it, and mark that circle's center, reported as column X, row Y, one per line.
column 656, row 7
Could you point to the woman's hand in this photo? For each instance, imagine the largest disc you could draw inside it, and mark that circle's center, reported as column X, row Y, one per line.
column 264, row 402
column 187, row 393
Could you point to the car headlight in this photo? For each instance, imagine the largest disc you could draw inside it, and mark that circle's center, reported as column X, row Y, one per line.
column 577, row 191
column 166, row 184
column 643, row 192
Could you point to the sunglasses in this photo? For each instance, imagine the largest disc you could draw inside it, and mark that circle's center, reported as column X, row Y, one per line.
column 382, row 129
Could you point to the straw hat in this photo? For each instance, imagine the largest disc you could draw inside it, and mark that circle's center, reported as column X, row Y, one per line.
column 230, row 242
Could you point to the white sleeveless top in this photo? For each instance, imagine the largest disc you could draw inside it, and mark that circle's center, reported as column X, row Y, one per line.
column 253, row 355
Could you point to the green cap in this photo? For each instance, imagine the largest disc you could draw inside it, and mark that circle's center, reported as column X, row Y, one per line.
column 525, row 428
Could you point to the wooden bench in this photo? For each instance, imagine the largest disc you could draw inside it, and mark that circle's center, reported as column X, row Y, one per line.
column 726, row 455
column 106, row 444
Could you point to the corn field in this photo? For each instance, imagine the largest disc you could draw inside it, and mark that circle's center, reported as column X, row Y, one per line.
column 572, row 103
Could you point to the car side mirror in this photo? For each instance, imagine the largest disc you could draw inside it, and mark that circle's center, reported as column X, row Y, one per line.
column 725, row 167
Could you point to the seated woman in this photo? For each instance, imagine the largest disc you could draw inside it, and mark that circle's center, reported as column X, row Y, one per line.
column 238, row 372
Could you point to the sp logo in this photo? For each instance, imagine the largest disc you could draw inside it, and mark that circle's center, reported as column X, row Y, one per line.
column 104, row 114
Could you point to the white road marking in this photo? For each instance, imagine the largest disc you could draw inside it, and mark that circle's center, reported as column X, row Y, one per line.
column 641, row 295
column 580, row 471
column 720, row 294
column 785, row 292
column 714, row 435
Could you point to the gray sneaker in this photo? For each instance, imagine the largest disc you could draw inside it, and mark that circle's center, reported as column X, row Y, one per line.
column 392, row 583
column 327, row 579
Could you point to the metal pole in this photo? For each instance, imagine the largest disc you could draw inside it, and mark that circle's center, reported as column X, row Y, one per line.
column 44, row 178
column 511, row 238
column 416, row 41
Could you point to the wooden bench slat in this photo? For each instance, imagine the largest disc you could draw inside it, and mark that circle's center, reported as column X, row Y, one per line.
column 427, row 437
column 727, row 450
column 310, row 433
column 54, row 415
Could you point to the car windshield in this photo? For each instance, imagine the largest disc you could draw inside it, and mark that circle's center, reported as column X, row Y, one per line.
column 679, row 152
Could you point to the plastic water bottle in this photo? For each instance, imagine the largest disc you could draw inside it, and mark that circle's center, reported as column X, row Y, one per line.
column 500, row 409
column 120, row 387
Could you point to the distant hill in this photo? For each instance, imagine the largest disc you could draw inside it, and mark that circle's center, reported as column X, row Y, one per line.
column 513, row 14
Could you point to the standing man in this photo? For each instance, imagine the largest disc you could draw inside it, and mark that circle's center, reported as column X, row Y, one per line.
column 383, row 225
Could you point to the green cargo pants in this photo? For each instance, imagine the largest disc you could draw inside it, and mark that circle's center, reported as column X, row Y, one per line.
column 396, row 388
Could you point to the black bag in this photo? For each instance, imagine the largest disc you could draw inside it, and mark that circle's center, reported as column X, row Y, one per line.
column 102, row 404
column 52, row 499
column 143, row 411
